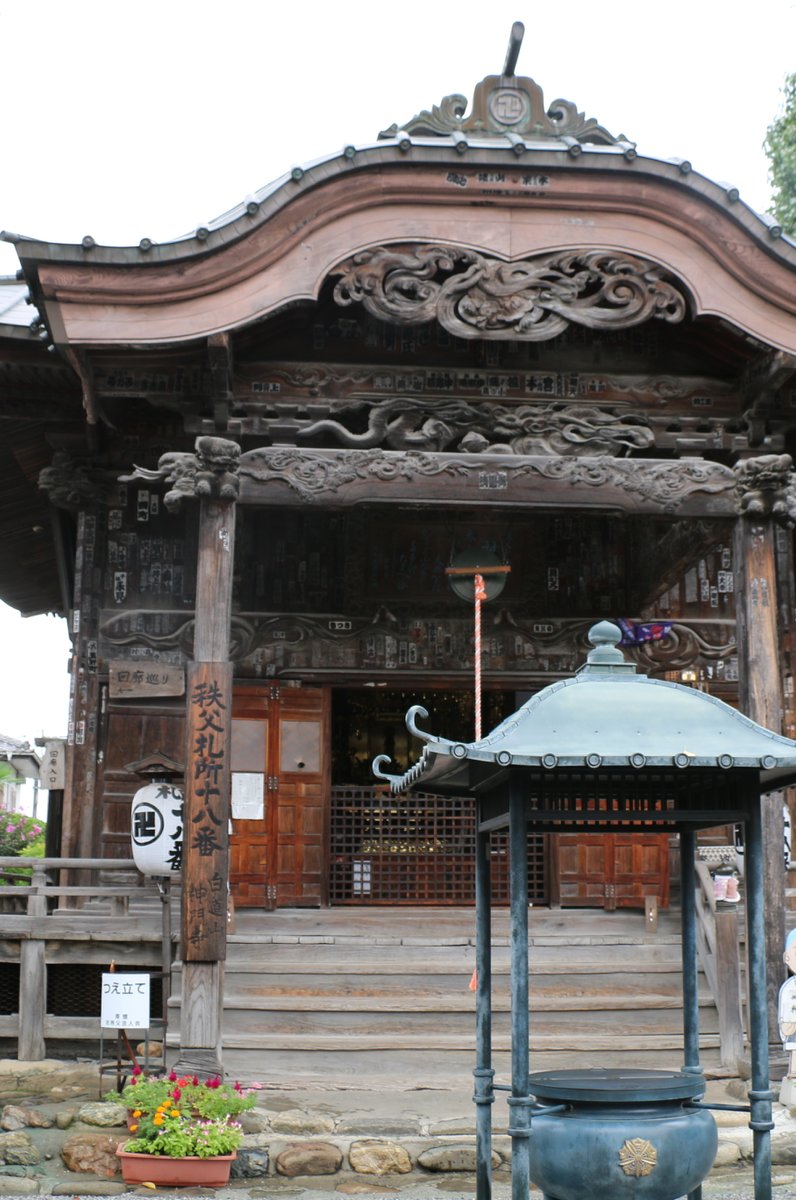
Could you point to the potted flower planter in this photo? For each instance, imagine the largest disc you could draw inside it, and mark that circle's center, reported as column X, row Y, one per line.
column 175, row 1172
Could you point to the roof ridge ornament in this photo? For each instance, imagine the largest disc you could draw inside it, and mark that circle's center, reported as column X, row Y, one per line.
column 606, row 658
column 507, row 104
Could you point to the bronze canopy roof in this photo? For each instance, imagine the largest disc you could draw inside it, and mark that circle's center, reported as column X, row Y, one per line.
column 606, row 717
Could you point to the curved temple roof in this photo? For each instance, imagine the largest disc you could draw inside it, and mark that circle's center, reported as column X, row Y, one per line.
column 508, row 122
column 607, row 715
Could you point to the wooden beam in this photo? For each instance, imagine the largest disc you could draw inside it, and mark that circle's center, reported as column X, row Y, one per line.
column 290, row 476
column 219, row 353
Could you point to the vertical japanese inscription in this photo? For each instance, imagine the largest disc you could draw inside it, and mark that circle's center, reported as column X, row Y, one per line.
column 206, row 837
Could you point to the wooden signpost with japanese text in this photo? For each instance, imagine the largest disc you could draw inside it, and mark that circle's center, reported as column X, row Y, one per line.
column 207, row 789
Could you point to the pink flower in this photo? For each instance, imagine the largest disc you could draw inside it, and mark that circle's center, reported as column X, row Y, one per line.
column 173, row 1077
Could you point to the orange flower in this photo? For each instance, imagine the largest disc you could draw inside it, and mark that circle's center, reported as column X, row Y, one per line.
column 137, row 1112
column 157, row 1119
column 133, row 1128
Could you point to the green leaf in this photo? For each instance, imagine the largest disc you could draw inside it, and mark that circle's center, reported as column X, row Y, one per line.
column 780, row 147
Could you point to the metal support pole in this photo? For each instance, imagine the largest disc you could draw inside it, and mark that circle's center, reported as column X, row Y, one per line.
column 689, row 952
column 760, row 1094
column 519, row 1101
column 688, row 922
column 483, row 1092
column 164, row 890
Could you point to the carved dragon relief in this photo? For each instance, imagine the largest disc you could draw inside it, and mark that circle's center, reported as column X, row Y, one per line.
column 536, row 299
column 314, row 475
column 317, row 475
column 401, row 423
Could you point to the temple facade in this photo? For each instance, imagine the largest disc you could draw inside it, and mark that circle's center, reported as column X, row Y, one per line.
column 248, row 464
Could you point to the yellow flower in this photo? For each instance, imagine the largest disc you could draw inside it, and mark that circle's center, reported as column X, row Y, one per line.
column 175, row 1112
column 133, row 1128
column 157, row 1119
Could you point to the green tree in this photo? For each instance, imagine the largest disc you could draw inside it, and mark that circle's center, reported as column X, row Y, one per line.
column 780, row 146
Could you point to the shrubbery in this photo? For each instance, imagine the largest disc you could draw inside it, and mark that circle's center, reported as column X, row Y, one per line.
column 19, row 834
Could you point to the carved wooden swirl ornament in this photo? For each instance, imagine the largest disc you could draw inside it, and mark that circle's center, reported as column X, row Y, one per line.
column 532, row 300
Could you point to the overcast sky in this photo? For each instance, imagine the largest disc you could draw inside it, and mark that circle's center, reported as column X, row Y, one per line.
column 124, row 120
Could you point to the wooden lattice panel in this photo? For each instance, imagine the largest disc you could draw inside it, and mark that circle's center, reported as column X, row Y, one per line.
column 418, row 849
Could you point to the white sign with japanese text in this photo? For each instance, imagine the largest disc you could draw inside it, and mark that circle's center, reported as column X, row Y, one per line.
column 125, row 1000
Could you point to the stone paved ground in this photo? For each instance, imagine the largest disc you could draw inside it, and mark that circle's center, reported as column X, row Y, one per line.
column 381, row 1132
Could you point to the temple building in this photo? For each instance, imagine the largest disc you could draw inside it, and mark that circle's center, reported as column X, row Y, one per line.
column 497, row 335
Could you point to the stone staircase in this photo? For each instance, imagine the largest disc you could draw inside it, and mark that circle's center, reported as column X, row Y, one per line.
column 381, row 998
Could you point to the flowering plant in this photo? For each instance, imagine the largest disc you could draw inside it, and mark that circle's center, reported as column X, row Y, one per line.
column 18, row 831
column 170, row 1133
column 210, row 1099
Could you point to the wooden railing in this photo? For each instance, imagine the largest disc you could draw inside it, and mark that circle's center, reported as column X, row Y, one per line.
column 38, row 887
column 37, row 896
column 719, row 956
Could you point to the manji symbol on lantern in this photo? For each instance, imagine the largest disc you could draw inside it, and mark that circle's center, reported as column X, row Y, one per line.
column 157, row 817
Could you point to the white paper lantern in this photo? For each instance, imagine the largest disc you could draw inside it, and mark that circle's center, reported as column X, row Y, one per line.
column 156, row 814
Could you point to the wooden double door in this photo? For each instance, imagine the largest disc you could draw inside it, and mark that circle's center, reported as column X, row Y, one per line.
column 610, row 870
column 279, row 814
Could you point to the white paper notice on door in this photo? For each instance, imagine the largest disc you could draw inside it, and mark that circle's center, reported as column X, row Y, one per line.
column 248, row 791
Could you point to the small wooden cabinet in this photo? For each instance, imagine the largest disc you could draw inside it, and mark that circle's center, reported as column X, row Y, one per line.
column 610, row 870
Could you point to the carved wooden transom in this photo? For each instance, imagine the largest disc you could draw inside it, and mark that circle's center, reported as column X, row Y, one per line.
column 534, row 299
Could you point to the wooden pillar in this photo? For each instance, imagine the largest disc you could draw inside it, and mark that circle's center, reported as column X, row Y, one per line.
column 763, row 483
column 79, row 816
column 212, row 476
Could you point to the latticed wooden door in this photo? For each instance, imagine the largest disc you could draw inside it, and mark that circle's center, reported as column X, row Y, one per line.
column 279, row 784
